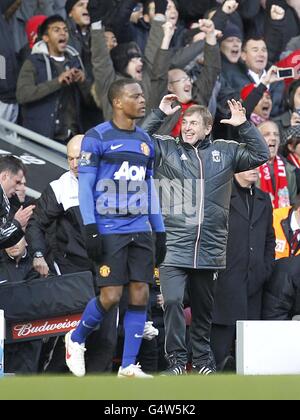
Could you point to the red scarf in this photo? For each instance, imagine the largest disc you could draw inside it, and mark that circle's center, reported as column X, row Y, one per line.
column 280, row 197
column 293, row 158
column 176, row 130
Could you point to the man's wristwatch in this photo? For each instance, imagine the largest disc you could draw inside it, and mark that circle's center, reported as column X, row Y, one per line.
column 38, row 254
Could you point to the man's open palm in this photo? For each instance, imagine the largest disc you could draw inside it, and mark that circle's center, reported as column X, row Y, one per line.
column 238, row 114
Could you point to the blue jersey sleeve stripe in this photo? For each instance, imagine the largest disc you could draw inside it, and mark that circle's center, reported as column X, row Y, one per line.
column 92, row 134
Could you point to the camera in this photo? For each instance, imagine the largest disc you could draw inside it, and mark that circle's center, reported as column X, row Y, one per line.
column 285, row 73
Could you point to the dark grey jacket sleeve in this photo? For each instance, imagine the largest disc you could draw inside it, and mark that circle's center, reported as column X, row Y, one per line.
column 153, row 121
column 252, row 151
column 46, row 212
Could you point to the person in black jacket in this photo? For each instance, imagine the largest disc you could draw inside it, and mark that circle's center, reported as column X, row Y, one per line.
column 193, row 169
column 249, row 262
column 16, row 266
column 12, row 172
column 56, row 225
column 281, row 300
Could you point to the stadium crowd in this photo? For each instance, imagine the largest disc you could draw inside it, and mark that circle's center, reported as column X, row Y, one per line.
column 217, row 83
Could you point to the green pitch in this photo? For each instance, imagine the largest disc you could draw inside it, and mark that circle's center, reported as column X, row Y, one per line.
column 181, row 388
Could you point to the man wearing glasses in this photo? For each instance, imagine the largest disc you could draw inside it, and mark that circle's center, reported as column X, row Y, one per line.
column 199, row 92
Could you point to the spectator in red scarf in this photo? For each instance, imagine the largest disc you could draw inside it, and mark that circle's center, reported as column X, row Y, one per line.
column 277, row 176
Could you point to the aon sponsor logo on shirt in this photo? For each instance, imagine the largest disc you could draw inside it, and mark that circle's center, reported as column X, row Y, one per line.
column 130, row 173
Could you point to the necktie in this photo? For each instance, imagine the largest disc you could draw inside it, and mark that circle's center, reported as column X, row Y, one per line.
column 294, row 241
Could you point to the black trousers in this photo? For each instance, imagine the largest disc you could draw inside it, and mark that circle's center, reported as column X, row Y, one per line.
column 222, row 342
column 22, row 358
column 201, row 288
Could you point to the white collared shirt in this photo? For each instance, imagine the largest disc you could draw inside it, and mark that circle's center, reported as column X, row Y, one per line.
column 294, row 224
column 256, row 77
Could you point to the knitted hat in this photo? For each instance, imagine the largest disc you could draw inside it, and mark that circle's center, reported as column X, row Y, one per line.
column 232, row 30
column 32, row 27
column 69, row 5
column 245, row 92
column 123, row 53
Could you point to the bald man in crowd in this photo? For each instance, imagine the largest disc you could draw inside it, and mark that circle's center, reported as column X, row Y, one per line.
column 57, row 243
column 59, row 205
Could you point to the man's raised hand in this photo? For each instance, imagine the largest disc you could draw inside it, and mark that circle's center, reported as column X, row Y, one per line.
column 169, row 104
column 23, row 215
column 238, row 114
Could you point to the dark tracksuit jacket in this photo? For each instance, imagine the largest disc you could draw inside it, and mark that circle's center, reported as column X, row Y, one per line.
column 196, row 240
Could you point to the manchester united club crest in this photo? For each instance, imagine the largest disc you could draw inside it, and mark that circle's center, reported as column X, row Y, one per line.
column 145, row 149
column 85, row 159
column 104, row 271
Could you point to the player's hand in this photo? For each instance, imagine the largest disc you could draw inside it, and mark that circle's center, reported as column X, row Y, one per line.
column 238, row 114
column 160, row 248
column 93, row 242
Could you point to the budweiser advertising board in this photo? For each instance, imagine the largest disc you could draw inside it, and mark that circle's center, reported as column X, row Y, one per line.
column 25, row 331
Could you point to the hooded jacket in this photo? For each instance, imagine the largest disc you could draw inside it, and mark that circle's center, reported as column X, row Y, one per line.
column 40, row 92
column 199, row 181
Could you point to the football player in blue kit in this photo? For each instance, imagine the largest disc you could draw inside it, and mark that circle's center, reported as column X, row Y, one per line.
column 122, row 219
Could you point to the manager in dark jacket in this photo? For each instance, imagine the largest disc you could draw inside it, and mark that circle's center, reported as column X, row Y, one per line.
column 249, row 262
column 193, row 169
